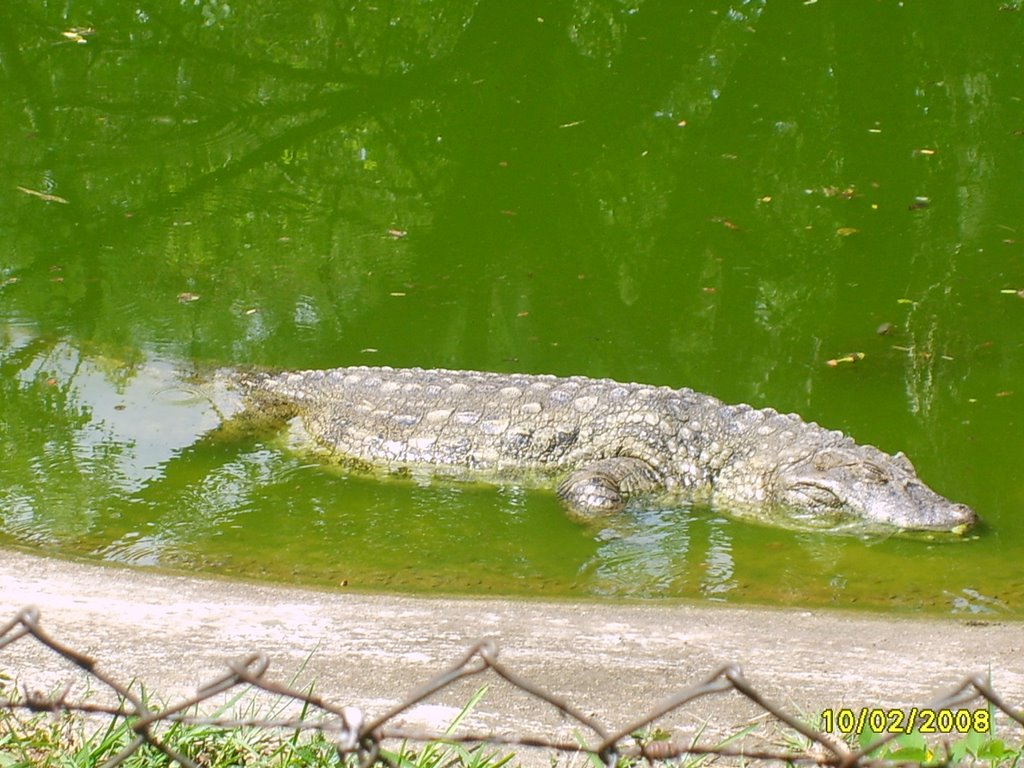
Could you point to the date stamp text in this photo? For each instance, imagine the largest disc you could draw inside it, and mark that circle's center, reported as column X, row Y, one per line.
column 884, row 721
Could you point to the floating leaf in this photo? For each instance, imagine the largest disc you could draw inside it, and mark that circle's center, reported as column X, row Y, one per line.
column 847, row 193
column 78, row 34
column 847, row 231
column 187, row 297
column 852, row 357
column 42, row 195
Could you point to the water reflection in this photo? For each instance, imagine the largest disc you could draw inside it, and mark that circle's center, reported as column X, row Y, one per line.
column 718, row 578
column 86, row 435
column 110, row 418
column 658, row 552
column 121, row 460
column 172, row 513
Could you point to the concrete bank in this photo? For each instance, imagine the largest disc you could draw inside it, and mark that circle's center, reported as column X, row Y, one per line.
column 615, row 662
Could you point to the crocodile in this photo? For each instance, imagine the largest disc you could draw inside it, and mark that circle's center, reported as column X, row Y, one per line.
column 601, row 443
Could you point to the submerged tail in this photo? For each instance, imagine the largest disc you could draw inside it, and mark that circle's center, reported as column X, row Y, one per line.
column 256, row 409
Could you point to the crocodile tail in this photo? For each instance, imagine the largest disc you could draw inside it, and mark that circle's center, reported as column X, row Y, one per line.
column 255, row 386
column 250, row 382
column 263, row 409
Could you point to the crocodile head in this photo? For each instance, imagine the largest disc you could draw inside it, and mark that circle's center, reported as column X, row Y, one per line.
column 863, row 484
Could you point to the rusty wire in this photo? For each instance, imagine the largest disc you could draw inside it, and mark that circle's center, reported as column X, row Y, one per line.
column 352, row 734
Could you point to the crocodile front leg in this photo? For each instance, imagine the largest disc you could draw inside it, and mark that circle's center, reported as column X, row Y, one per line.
column 604, row 485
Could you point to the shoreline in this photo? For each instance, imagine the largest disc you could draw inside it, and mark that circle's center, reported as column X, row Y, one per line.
column 174, row 633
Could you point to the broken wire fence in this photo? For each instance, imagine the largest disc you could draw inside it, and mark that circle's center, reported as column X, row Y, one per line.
column 355, row 736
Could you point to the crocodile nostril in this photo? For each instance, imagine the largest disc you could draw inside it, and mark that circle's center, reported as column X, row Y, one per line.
column 965, row 513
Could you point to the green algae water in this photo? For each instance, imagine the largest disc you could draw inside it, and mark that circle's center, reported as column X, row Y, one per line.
column 813, row 206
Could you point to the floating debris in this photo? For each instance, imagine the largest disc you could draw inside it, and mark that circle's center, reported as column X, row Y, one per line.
column 728, row 224
column 42, row 195
column 852, row 357
column 78, row 35
column 847, row 193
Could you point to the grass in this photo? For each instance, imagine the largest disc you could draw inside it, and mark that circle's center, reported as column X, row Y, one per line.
column 69, row 740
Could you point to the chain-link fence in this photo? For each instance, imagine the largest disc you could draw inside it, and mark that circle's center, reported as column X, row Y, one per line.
column 972, row 707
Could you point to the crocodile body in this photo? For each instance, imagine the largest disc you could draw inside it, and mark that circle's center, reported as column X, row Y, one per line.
column 602, row 442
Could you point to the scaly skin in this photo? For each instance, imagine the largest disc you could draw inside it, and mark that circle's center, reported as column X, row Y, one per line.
column 603, row 442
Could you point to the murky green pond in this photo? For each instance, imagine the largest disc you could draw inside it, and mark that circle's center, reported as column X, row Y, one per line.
column 742, row 198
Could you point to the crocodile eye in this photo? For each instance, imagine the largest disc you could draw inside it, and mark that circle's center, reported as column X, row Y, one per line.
column 814, row 496
column 874, row 473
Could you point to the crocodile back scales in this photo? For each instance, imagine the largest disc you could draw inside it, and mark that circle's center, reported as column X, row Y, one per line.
column 506, row 424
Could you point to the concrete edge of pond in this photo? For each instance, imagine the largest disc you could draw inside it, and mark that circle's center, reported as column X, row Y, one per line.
column 174, row 633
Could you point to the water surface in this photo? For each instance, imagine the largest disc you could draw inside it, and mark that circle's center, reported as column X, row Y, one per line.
column 725, row 196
